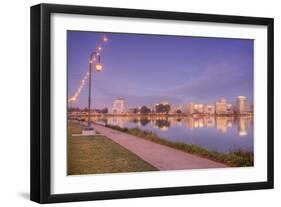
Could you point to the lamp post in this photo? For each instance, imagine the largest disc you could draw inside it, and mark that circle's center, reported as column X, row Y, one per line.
column 94, row 59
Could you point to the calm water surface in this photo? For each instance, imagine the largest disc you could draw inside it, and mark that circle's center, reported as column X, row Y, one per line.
column 222, row 134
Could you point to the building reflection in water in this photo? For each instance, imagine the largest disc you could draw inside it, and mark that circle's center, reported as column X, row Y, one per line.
column 221, row 123
column 243, row 126
column 117, row 121
column 163, row 124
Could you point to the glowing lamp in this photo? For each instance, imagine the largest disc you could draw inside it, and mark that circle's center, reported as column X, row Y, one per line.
column 98, row 67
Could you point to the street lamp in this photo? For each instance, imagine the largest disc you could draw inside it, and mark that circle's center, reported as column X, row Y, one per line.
column 94, row 59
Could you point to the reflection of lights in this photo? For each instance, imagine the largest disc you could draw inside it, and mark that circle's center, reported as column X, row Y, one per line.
column 154, row 125
column 200, row 123
column 164, row 128
column 243, row 127
column 104, row 39
column 242, row 133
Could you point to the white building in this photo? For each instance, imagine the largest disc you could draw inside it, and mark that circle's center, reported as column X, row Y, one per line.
column 221, row 107
column 191, row 108
column 209, row 109
column 242, row 104
column 119, row 106
column 199, row 108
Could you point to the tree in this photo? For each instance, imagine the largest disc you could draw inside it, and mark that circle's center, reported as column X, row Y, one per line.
column 134, row 110
column 178, row 111
column 104, row 111
column 162, row 108
column 145, row 110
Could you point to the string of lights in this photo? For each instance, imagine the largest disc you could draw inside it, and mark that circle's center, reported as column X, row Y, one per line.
column 98, row 50
column 76, row 95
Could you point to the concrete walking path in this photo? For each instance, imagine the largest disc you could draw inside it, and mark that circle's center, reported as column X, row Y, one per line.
column 160, row 156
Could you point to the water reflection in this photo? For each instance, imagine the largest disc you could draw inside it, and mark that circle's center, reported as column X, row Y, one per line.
column 222, row 124
column 216, row 133
column 243, row 127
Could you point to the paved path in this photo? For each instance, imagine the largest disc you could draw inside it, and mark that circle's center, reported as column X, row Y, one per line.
column 160, row 156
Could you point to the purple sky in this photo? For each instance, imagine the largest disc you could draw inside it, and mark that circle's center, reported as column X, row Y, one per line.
column 147, row 69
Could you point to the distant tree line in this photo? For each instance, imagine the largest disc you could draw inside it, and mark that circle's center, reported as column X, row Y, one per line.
column 160, row 108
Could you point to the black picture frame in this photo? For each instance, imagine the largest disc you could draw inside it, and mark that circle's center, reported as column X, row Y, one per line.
column 41, row 98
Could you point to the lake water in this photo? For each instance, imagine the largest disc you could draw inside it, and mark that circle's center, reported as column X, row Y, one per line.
column 222, row 134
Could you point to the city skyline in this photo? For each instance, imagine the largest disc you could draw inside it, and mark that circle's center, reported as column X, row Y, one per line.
column 220, row 107
column 147, row 69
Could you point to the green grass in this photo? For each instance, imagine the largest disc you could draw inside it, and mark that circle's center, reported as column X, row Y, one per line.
column 98, row 154
column 239, row 158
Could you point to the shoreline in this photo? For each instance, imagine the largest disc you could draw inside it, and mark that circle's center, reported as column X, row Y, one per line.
column 164, row 115
column 158, row 155
column 237, row 158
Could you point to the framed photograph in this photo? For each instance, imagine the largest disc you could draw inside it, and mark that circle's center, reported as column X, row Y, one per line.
column 133, row 103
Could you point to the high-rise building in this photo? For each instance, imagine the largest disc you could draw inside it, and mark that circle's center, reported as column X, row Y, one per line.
column 242, row 104
column 199, row 108
column 209, row 109
column 230, row 109
column 191, row 108
column 119, row 106
column 221, row 107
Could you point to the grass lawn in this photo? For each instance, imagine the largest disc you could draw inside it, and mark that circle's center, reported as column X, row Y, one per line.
column 98, row 154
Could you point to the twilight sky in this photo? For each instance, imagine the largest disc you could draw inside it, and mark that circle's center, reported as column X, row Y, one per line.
column 147, row 69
